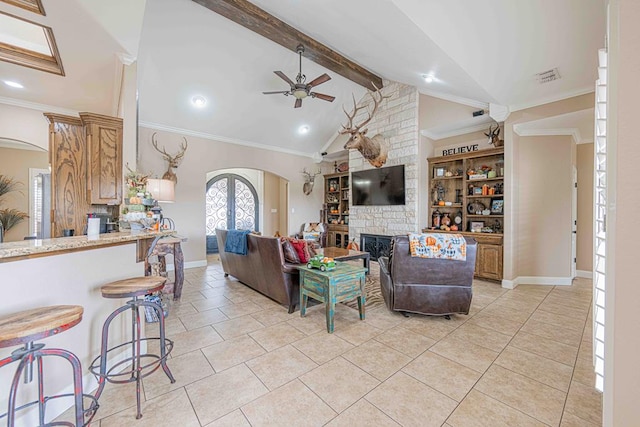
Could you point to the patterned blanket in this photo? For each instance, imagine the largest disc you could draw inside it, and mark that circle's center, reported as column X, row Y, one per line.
column 438, row 245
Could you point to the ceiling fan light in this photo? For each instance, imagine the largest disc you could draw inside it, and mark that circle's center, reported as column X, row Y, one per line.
column 299, row 93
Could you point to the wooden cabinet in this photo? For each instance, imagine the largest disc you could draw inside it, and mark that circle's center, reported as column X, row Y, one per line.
column 104, row 158
column 336, row 208
column 467, row 191
column 80, row 177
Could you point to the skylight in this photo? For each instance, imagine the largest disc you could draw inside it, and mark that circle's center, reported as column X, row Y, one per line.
column 29, row 44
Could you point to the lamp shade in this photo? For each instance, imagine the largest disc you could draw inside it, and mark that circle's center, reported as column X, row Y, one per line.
column 163, row 190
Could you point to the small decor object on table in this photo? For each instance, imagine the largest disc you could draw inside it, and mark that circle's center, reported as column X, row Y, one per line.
column 497, row 206
column 476, row 226
column 322, row 263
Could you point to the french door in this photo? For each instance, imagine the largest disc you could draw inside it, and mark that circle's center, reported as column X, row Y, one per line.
column 232, row 204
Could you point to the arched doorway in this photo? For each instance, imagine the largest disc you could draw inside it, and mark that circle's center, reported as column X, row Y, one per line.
column 231, row 203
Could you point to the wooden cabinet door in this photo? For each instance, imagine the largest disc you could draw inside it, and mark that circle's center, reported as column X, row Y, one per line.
column 331, row 239
column 489, row 261
column 104, row 158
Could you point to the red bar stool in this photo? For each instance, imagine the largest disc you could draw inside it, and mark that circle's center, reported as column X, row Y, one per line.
column 132, row 288
column 26, row 327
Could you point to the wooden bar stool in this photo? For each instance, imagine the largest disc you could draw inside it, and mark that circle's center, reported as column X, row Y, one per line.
column 132, row 288
column 24, row 328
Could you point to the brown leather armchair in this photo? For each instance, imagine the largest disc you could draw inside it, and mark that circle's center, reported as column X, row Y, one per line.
column 426, row 286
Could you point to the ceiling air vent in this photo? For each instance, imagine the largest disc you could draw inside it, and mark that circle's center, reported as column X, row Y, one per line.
column 548, row 76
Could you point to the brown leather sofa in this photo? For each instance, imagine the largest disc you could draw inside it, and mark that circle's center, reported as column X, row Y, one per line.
column 426, row 286
column 263, row 268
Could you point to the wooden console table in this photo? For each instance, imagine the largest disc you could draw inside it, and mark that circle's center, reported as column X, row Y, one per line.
column 168, row 246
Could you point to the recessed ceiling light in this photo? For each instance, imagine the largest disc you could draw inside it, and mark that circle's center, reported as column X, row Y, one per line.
column 428, row 78
column 303, row 129
column 13, row 84
column 199, row 101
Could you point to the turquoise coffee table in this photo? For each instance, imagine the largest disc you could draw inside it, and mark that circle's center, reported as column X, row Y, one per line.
column 344, row 283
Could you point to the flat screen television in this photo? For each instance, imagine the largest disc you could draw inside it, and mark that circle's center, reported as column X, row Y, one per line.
column 378, row 187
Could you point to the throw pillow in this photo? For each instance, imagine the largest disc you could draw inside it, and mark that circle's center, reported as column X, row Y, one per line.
column 290, row 254
column 311, row 247
column 300, row 246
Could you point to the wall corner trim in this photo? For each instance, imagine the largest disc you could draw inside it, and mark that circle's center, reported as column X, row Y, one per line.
column 540, row 280
column 584, row 274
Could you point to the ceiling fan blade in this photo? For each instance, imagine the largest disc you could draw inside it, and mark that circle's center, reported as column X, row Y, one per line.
column 283, row 92
column 298, row 103
column 284, row 77
column 319, row 80
column 323, row 96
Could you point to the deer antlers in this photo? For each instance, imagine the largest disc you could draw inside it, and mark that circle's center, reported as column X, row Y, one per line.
column 309, row 180
column 172, row 160
column 377, row 99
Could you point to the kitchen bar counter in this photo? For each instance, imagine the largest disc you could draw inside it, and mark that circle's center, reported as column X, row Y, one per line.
column 24, row 249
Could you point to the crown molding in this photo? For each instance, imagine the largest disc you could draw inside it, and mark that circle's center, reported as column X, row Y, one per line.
column 454, row 98
column 209, row 136
column 559, row 97
column 462, row 127
column 38, row 107
column 572, row 132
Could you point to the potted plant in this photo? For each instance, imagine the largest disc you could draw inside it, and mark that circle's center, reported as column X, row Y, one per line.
column 9, row 217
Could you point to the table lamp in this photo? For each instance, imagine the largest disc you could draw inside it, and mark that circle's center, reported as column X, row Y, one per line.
column 162, row 191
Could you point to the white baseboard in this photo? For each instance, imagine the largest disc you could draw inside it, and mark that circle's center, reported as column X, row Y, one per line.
column 536, row 280
column 585, row 274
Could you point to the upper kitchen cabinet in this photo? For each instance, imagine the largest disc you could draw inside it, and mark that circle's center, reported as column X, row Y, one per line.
column 104, row 158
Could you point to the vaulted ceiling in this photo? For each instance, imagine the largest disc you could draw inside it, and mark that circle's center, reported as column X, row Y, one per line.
column 478, row 52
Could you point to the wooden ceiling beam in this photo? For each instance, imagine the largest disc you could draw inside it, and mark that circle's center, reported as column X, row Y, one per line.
column 259, row 21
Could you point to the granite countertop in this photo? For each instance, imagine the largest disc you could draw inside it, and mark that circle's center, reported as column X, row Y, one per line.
column 27, row 248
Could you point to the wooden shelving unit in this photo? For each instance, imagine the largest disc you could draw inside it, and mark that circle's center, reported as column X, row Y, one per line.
column 336, row 201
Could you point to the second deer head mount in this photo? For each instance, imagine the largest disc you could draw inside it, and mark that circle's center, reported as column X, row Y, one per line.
column 174, row 161
column 309, row 180
column 374, row 149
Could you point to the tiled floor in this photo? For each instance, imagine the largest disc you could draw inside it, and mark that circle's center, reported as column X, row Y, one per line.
column 521, row 358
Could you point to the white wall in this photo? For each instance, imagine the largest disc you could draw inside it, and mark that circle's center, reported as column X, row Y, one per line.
column 203, row 156
column 584, row 246
column 25, row 125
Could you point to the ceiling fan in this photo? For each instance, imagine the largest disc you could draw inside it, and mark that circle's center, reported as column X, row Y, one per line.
column 299, row 89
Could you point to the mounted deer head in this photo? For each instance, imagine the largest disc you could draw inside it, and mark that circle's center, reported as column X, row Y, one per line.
column 174, row 161
column 493, row 136
column 373, row 149
column 309, row 180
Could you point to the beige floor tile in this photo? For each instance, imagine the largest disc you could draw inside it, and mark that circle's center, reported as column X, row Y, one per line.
column 545, row 347
column 382, row 318
column 570, row 420
column 505, row 326
column 290, row 405
column 240, row 309
column 224, row 392
column 357, row 333
column 272, row 316
column 203, row 318
column 172, row 326
column 276, row 336
column 468, row 354
column 236, row 327
column 447, row 377
column 525, row 305
column 181, row 308
column 547, row 371
column 211, row 303
column 551, row 306
column 193, row 296
column 281, row 366
column 430, row 326
column 484, row 337
column 405, row 341
column 307, row 325
column 497, row 309
column 214, row 292
column 480, row 410
column 540, row 401
column 584, row 402
column 114, row 398
column 377, row 359
column 482, row 301
column 233, row 419
column 584, row 371
column 559, row 320
column 561, row 303
column 327, row 381
column 362, row 413
column 186, row 342
column 411, row 403
column 565, row 336
column 232, row 352
column 172, row 408
column 322, row 347
column 488, row 289
column 186, row 369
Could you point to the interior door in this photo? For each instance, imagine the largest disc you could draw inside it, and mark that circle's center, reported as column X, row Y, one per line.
column 231, row 203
